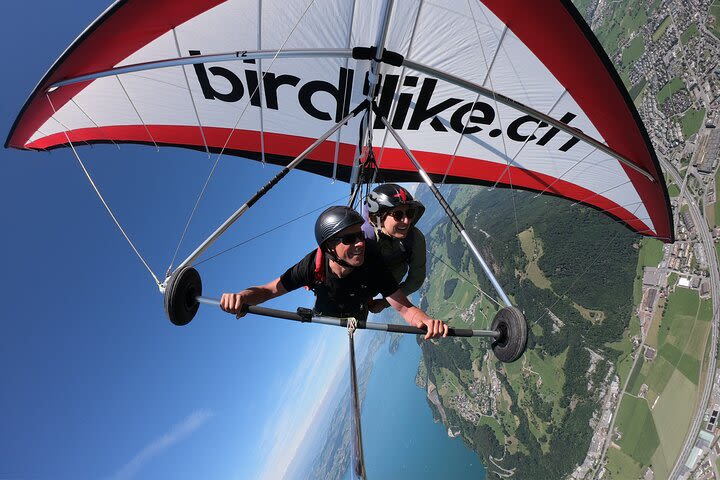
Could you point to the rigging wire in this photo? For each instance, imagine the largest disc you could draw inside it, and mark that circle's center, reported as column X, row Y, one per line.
column 137, row 112
column 401, row 81
column 549, row 186
column 97, row 192
column 527, row 140
column 463, row 277
column 477, row 97
column 600, row 194
column 258, row 69
column 192, row 214
column 91, row 120
column 336, row 155
column 334, row 202
column 497, row 109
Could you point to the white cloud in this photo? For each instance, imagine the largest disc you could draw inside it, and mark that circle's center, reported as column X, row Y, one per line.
column 300, row 401
column 161, row 444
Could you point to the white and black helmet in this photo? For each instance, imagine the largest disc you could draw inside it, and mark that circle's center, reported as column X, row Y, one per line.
column 387, row 196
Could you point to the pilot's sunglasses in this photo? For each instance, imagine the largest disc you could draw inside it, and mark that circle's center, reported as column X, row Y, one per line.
column 350, row 238
column 398, row 215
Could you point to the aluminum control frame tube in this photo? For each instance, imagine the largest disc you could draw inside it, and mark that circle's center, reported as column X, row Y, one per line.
column 455, row 220
column 260, row 193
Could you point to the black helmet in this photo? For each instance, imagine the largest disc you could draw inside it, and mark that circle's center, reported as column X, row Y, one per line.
column 334, row 220
column 387, row 196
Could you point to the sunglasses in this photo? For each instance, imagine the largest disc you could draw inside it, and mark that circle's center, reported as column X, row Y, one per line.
column 398, row 215
column 350, row 238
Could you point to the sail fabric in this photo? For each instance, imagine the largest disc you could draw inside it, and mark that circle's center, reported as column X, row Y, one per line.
column 539, row 54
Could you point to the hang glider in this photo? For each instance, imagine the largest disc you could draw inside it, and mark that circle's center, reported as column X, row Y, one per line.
column 497, row 92
column 506, row 93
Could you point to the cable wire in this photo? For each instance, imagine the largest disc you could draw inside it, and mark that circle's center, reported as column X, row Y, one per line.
column 463, row 277
column 227, row 141
column 97, row 192
column 270, row 230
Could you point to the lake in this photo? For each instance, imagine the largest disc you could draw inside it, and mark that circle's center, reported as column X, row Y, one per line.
column 400, row 438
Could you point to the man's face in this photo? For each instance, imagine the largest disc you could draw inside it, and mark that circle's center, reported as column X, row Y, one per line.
column 349, row 245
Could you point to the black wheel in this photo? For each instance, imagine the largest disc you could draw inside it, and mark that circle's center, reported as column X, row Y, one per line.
column 511, row 343
column 180, row 295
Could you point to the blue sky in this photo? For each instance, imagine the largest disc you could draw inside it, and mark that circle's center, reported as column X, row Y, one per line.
column 96, row 382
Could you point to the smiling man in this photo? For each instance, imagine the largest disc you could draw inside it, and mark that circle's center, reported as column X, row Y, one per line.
column 344, row 273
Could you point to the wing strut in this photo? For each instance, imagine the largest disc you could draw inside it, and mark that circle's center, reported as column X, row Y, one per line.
column 456, row 221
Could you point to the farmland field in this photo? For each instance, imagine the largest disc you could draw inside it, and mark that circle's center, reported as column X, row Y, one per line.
column 691, row 122
column 661, row 28
column 674, row 85
column 640, row 437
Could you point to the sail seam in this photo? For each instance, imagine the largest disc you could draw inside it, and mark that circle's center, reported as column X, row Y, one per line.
column 192, row 99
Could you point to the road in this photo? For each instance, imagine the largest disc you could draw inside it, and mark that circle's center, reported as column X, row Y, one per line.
column 608, row 439
column 709, row 246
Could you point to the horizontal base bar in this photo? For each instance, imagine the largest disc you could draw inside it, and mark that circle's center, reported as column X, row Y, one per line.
column 306, row 316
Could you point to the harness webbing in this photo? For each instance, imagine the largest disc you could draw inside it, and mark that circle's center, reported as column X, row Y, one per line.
column 319, row 272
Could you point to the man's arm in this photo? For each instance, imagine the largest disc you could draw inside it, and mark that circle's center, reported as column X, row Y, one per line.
column 233, row 302
column 416, row 317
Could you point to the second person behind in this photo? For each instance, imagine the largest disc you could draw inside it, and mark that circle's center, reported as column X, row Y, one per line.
column 393, row 213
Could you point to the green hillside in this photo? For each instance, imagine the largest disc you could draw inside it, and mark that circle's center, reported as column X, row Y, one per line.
column 552, row 261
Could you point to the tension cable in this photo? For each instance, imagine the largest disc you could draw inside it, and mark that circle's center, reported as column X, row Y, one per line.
column 270, row 230
column 100, row 196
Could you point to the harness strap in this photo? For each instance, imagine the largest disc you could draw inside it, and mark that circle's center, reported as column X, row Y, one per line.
column 319, row 272
column 408, row 241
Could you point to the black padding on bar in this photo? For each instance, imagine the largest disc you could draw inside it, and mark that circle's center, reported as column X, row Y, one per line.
column 268, row 186
column 392, row 58
column 363, row 53
column 368, row 53
column 459, row 332
column 305, row 313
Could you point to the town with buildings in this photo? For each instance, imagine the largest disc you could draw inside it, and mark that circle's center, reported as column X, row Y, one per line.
column 675, row 84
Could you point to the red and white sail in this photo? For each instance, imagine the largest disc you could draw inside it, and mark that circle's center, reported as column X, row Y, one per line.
column 540, row 55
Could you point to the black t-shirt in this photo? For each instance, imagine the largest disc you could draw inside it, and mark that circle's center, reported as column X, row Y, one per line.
column 342, row 297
